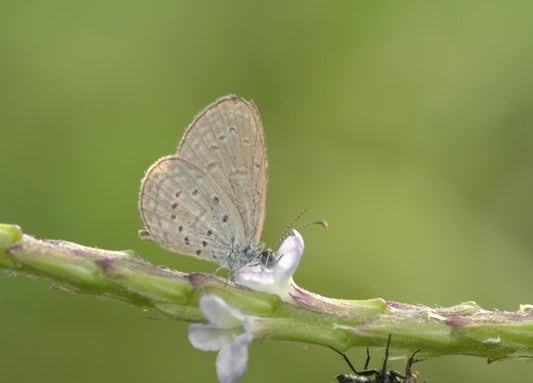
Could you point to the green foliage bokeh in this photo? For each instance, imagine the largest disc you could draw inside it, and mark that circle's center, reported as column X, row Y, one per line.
column 407, row 125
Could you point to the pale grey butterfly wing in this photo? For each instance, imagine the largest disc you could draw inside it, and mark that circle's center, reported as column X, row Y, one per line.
column 227, row 141
column 186, row 211
column 209, row 199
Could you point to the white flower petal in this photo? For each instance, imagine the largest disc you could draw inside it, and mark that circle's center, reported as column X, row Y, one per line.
column 208, row 337
column 232, row 360
column 289, row 255
column 254, row 277
column 219, row 312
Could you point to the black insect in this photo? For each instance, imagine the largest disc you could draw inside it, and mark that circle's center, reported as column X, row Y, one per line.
column 382, row 375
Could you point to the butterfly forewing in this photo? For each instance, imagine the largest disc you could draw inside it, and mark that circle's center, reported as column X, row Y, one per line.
column 227, row 141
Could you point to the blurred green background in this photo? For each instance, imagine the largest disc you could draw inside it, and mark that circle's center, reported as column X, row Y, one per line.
column 407, row 125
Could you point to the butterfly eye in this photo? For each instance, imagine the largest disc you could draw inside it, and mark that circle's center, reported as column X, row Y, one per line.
column 268, row 258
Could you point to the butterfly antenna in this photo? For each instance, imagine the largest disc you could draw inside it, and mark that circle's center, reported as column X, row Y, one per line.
column 320, row 222
column 285, row 233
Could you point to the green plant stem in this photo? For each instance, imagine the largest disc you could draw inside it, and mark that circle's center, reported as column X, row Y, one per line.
column 464, row 329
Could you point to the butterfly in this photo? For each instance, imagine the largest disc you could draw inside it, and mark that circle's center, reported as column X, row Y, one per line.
column 209, row 199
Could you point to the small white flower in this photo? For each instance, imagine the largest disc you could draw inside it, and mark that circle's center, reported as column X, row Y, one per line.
column 277, row 280
column 228, row 331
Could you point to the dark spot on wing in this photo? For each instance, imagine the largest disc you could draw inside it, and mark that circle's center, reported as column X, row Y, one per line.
column 212, row 166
